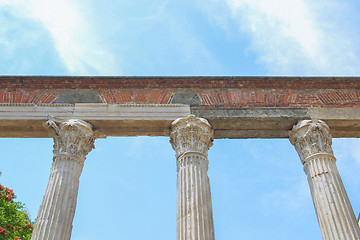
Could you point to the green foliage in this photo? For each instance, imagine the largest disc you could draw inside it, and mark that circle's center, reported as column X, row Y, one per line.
column 14, row 220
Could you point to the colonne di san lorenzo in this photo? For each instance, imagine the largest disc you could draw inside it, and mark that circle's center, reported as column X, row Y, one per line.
column 192, row 112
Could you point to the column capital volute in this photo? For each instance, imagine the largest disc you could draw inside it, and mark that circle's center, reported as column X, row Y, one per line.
column 73, row 138
column 311, row 137
column 191, row 134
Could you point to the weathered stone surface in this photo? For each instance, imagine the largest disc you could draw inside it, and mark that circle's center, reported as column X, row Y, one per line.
column 189, row 98
column 27, row 120
column 276, row 122
column 312, row 141
column 311, row 137
column 236, row 107
column 72, row 96
column 73, row 139
column 191, row 138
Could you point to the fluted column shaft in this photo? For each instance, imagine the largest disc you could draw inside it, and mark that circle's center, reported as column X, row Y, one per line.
column 312, row 141
column 191, row 138
column 73, row 139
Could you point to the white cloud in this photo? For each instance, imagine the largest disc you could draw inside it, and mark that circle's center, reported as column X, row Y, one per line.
column 296, row 36
column 75, row 41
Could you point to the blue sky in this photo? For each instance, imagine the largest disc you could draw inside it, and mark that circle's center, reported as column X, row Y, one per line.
column 128, row 185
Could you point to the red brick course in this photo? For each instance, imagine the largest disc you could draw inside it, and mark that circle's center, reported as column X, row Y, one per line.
column 212, row 91
column 281, row 98
column 28, row 96
column 147, row 96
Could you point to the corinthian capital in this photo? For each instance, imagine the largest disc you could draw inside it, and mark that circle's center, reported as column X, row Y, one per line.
column 73, row 138
column 311, row 137
column 191, row 134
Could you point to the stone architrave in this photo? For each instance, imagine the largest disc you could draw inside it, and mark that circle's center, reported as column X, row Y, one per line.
column 191, row 137
column 73, row 140
column 312, row 141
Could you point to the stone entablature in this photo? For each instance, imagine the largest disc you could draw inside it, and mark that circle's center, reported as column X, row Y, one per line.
column 27, row 120
column 236, row 107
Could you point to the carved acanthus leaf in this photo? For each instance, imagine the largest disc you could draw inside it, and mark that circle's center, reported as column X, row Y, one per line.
column 311, row 137
column 73, row 138
column 191, row 134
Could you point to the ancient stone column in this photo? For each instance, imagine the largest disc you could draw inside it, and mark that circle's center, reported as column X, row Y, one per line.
column 73, row 140
column 191, row 138
column 312, row 141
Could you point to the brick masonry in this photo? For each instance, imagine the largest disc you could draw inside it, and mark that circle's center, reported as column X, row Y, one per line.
column 220, row 92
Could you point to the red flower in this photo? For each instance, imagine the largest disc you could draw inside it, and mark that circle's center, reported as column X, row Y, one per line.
column 3, row 231
column 8, row 198
column 9, row 191
column 28, row 224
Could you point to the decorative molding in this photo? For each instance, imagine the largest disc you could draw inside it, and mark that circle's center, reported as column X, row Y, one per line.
column 27, row 120
column 92, row 111
column 311, row 137
column 73, row 138
column 191, row 134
